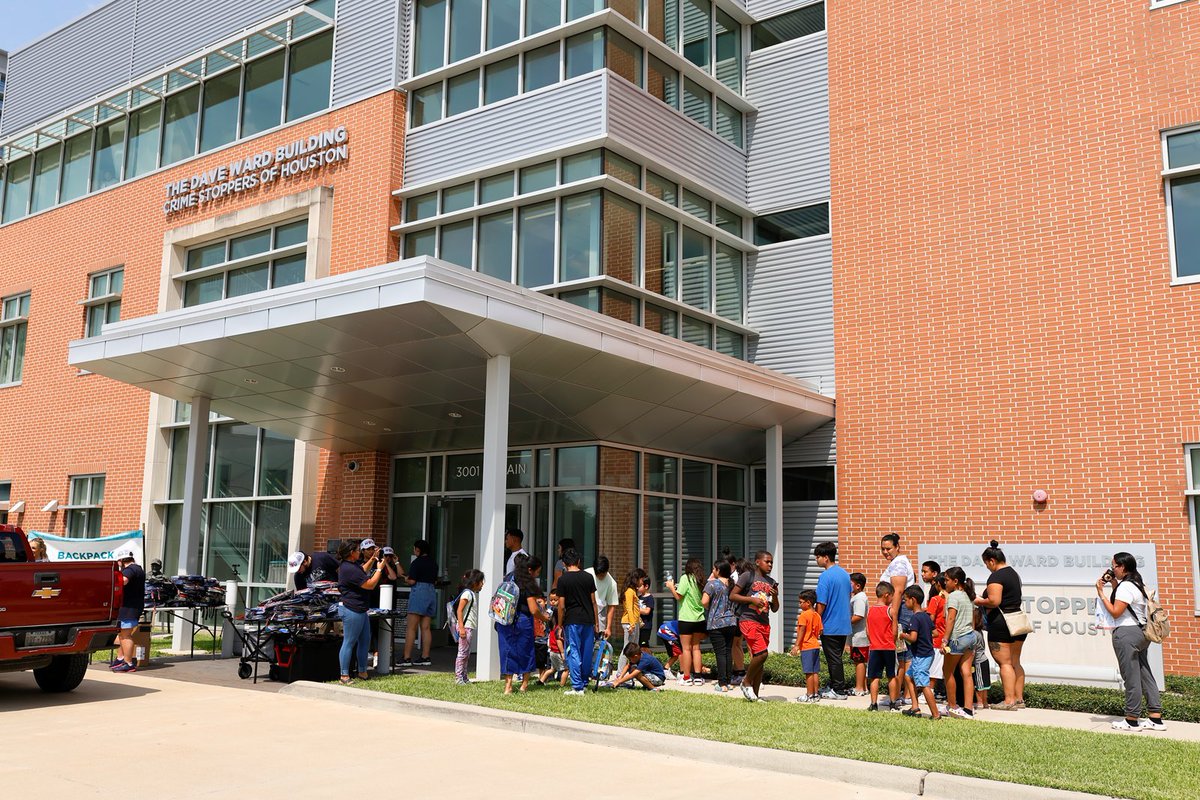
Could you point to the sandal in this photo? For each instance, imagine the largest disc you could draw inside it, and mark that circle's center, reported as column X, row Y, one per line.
column 345, row 680
column 1019, row 704
column 1004, row 706
column 362, row 676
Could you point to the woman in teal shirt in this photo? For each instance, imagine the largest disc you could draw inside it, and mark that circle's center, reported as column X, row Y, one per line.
column 692, row 627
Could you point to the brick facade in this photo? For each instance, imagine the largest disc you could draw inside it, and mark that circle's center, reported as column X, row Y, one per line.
column 1003, row 308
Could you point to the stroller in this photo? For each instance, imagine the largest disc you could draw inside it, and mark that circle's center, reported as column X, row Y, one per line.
column 601, row 662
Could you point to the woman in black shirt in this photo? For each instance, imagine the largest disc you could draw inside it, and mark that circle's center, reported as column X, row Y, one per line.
column 1003, row 594
column 355, row 586
column 422, row 603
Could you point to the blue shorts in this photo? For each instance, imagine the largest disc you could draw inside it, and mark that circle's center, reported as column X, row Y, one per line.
column 422, row 599
column 963, row 644
column 128, row 618
column 904, row 655
column 127, row 624
column 919, row 671
column 810, row 660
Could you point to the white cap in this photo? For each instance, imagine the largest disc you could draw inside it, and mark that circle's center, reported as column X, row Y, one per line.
column 295, row 562
column 387, row 551
column 123, row 553
column 367, row 544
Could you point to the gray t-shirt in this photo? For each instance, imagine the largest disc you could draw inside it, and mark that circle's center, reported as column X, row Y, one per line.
column 964, row 609
column 858, row 630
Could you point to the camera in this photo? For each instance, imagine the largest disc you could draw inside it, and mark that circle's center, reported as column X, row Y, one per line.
column 1107, row 576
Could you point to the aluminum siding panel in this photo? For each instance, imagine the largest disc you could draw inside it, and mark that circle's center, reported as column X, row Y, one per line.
column 764, row 9
column 789, row 137
column 168, row 30
column 74, row 64
column 790, row 304
column 672, row 139
column 507, row 131
column 817, row 447
column 804, row 525
column 364, row 48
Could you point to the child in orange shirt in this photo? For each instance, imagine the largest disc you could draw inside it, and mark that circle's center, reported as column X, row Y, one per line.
column 808, row 645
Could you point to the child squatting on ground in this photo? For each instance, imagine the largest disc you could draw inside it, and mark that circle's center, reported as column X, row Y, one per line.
column 640, row 669
column 808, row 645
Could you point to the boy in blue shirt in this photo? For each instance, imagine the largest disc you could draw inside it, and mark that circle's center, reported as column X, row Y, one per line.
column 641, row 668
column 918, row 632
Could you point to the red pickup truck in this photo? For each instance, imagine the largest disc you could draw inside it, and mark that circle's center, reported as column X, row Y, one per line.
column 54, row 615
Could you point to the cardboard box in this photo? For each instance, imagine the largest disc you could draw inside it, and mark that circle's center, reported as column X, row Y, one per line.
column 141, row 644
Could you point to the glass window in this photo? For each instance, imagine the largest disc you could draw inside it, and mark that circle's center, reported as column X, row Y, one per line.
column 12, row 338
column 495, row 245
column 577, row 466
column 580, row 244
column 541, row 15
column 1183, row 150
column 420, row 243
column 270, row 535
column 288, row 271
column 697, row 478
column 429, row 51
column 248, row 280
column 466, row 28
column 293, row 233
column 458, row 239
column 208, row 255
column 1184, row 195
column 104, row 284
column 729, row 51
column 729, row 282
column 731, row 529
column 278, row 453
column 462, row 93
column 180, row 125
column 457, row 198
column 309, row 74
column 178, row 468
column 110, row 155
column 45, row 178
column 203, row 290
column 729, row 123
column 85, row 506
column 696, row 205
column 408, row 475
column 696, row 331
column 585, row 53
column 696, row 530
column 535, row 245
column 662, row 474
column 576, row 512
column 785, row 27
column 620, row 306
column 661, row 254
column 262, row 106
column 219, row 111
column 800, row 484
column 17, row 184
column 144, row 125
column 427, row 105
column 697, row 24
column 728, row 220
column 730, row 343
column 584, row 298
column 624, row 58
column 662, row 188
column 622, row 246
column 661, row 320
column 795, row 223
column 630, row 9
column 581, row 8
column 420, row 207
column 662, row 21
column 696, row 269
column 581, row 166
column 697, row 103
column 541, row 67
column 662, row 541
column 250, row 245
column 538, row 177
column 622, row 169
column 77, row 167
column 236, row 449
column 227, row 555
column 662, row 81
column 497, row 187
column 500, row 80
column 503, row 22
column 731, row 483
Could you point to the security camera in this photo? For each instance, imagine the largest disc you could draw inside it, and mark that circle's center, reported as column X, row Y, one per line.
column 352, row 466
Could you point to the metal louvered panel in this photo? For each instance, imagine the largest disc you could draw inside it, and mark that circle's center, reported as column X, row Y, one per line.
column 560, row 116
column 364, row 48
column 404, row 38
column 168, row 30
column 817, row 447
column 663, row 135
column 789, row 138
column 790, row 304
column 804, row 525
column 765, row 9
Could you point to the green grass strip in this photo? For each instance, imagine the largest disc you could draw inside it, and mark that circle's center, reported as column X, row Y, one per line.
column 1138, row 766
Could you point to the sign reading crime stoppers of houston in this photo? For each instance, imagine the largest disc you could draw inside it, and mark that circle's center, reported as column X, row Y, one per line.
column 1059, row 595
column 269, row 166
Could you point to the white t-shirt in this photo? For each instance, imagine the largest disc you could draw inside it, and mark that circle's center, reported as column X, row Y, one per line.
column 471, row 618
column 512, row 561
column 899, row 565
column 858, row 608
column 1128, row 592
column 606, row 594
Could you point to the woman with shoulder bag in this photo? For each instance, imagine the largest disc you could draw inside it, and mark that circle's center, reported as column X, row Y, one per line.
column 1126, row 603
column 1007, row 625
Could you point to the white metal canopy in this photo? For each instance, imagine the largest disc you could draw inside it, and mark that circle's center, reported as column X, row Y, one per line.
column 394, row 358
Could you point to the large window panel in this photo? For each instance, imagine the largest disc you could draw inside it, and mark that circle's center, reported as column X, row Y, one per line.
column 729, row 123
column 429, row 50
column 46, row 178
column 580, row 243
column 262, row 106
column 500, row 80
column 661, row 526
column 729, row 51
column 462, row 93
column 541, row 67
column 535, row 245
column 228, row 549
column 178, row 469
column 622, row 245
column 729, row 282
column 236, row 448
column 697, row 24
column 466, row 28
column 783, row 28
column 624, row 58
column 495, row 245
column 420, row 243
column 585, row 53
column 581, row 8
column 731, row 529
column 697, row 103
column 662, row 255
column 309, row 76
column 661, row 320
column 576, row 512
column 144, row 128
column 271, row 520
column 542, row 15
column 77, row 167
column 662, row 81
column 503, row 22
column 248, row 280
column 696, row 331
column 427, row 105
column 458, row 240
column 697, row 269
column 110, row 155
column 181, row 123
column 697, row 531
column 18, row 183
column 1185, row 224
column 219, row 110
column 794, row 223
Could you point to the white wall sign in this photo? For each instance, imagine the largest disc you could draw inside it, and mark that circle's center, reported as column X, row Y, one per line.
column 64, row 549
column 243, row 174
column 1059, row 594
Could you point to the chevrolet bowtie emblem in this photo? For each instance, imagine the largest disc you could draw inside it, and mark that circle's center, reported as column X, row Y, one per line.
column 46, row 592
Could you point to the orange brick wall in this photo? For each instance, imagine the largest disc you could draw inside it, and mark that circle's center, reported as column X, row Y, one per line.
column 352, row 505
column 58, row 423
column 1004, row 319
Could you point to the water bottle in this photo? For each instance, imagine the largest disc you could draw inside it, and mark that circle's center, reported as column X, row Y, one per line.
column 668, row 577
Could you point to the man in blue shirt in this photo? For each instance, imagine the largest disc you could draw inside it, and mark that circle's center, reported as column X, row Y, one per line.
column 833, row 604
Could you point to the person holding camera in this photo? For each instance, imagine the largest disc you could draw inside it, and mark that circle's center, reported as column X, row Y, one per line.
column 355, row 586
column 1126, row 603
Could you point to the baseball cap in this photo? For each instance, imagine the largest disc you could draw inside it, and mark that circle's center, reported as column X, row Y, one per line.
column 387, row 551
column 295, row 562
column 367, row 544
column 123, row 553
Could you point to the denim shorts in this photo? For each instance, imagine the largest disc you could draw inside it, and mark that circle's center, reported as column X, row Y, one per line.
column 810, row 660
column 963, row 644
column 919, row 670
column 422, row 599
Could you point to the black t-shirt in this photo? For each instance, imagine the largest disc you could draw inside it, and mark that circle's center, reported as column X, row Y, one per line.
column 350, row 578
column 576, row 590
column 324, row 567
column 749, row 585
column 922, row 623
column 423, row 569
column 648, row 601
column 134, row 598
column 523, row 599
column 1010, row 595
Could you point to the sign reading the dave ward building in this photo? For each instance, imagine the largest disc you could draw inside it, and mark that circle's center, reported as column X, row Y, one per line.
column 269, row 166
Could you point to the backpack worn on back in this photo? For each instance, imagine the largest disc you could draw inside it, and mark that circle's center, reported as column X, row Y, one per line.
column 503, row 608
column 452, row 612
column 1157, row 626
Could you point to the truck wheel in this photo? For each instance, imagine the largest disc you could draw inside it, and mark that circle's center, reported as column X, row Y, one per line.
column 63, row 674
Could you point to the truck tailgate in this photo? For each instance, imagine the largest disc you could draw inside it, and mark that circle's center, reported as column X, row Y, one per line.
column 46, row 594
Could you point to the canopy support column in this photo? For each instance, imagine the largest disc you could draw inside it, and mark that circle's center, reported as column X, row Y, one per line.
column 775, row 527
column 491, row 508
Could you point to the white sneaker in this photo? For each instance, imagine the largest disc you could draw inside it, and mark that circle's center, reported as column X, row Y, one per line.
column 960, row 712
column 575, row 692
column 748, row 693
column 1152, row 724
column 670, row 674
column 942, row 708
column 830, row 694
column 1124, row 726
column 802, row 698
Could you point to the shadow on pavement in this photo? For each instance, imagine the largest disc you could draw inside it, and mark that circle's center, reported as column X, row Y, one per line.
column 19, row 692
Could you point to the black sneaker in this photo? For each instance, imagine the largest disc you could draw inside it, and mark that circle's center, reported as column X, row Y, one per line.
column 873, row 707
column 404, row 663
column 910, row 712
column 424, row 662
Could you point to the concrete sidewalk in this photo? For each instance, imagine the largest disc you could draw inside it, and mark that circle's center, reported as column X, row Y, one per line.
column 1097, row 723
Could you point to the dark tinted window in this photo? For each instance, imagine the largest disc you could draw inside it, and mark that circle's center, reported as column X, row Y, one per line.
column 12, row 548
column 785, row 27
column 799, row 484
column 795, row 223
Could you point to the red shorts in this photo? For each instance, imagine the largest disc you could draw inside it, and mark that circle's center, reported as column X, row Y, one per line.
column 859, row 655
column 673, row 649
column 757, row 635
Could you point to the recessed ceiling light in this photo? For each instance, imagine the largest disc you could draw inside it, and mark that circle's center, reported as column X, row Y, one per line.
column 250, row 380
column 368, row 422
column 338, row 370
column 388, row 430
column 454, row 415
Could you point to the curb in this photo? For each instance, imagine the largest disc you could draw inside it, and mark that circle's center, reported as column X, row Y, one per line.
column 843, row 770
